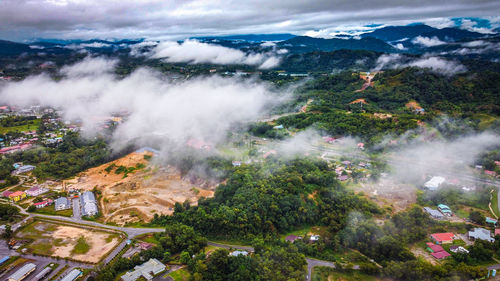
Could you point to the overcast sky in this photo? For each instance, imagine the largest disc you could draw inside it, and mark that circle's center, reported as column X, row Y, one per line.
column 177, row 19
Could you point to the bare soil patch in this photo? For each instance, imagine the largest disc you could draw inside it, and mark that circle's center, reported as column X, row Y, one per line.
column 388, row 193
column 143, row 193
column 60, row 241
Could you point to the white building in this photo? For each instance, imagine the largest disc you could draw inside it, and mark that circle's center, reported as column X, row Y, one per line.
column 62, row 203
column 36, row 190
column 72, row 275
column 146, row 270
column 434, row 183
column 89, row 204
column 482, row 234
column 238, row 252
column 23, row 272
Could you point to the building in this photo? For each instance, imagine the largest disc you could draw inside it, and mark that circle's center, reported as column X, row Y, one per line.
column 7, row 193
column 482, row 234
column 434, row 183
column 445, row 210
column 62, row 203
column 238, row 253
column 497, row 231
column 236, row 163
column 25, row 169
column 433, row 248
column 36, row 190
column 146, row 270
column 292, row 238
column 491, row 220
column 17, row 196
column 23, row 272
column 433, row 213
column 43, row 204
column 458, row 249
column 443, row 238
column 437, row 251
column 72, row 275
column 314, row 238
column 42, row 274
column 440, row 255
column 4, row 259
column 89, row 204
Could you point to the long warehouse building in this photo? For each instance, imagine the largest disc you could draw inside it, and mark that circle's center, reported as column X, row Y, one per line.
column 23, row 272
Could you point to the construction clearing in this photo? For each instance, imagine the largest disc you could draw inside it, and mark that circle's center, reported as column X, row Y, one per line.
column 68, row 241
column 387, row 193
column 133, row 190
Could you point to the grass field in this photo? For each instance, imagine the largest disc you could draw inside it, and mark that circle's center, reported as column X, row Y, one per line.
column 180, row 275
column 28, row 127
column 81, row 247
column 330, row 274
column 49, row 210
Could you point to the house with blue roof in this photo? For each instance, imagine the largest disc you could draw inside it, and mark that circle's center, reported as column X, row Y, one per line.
column 445, row 209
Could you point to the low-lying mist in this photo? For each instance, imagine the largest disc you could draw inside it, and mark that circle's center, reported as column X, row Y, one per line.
column 157, row 110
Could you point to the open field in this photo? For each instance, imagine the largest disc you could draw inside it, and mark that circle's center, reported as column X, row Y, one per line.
column 65, row 241
column 23, row 128
column 329, row 274
column 179, row 275
column 142, row 193
column 388, row 193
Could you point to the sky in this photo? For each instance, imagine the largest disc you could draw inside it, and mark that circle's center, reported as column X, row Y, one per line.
column 22, row 20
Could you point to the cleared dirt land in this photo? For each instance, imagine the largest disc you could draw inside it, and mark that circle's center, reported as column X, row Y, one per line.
column 388, row 193
column 65, row 241
column 142, row 193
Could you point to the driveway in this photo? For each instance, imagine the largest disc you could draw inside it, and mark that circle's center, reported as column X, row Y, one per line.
column 77, row 211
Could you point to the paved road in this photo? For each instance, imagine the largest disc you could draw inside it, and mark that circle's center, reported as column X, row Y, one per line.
column 130, row 231
column 311, row 263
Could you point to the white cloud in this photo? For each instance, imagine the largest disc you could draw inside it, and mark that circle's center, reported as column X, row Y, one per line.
column 88, row 45
column 24, row 19
column 427, row 42
column 477, row 43
column 439, row 65
column 192, row 51
column 399, row 46
column 89, row 66
column 268, row 44
column 436, row 64
column 159, row 111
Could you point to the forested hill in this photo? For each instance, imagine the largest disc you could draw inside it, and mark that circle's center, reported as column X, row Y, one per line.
column 12, row 48
column 395, row 33
column 307, row 44
column 319, row 61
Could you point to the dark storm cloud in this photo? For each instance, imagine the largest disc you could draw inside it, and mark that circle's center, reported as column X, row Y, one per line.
column 21, row 19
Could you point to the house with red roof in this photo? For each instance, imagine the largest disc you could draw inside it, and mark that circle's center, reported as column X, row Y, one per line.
column 17, row 196
column 7, row 193
column 497, row 231
column 43, row 204
column 433, row 248
column 443, row 238
column 440, row 255
column 490, row 173
column 437, row 251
